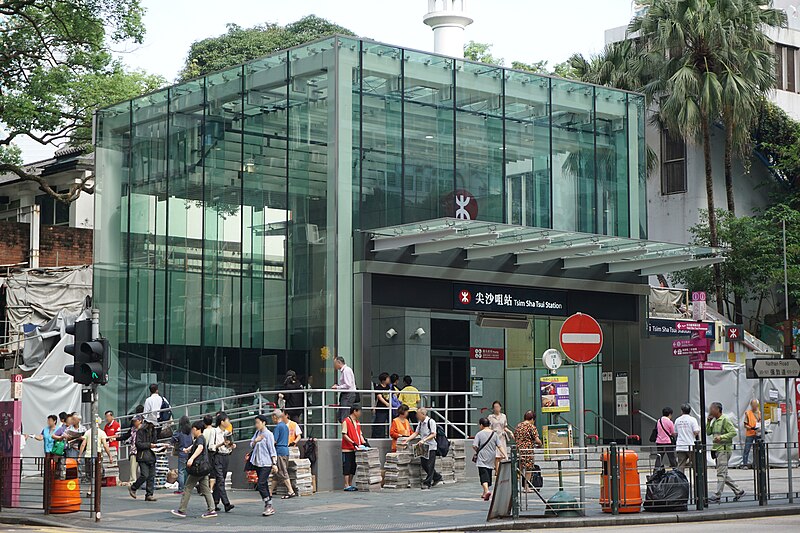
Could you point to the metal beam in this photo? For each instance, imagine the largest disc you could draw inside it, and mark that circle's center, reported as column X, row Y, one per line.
column 674, row 267
column 448, row 244
column 485, row 252
column 604, row 257
column 380, row 244
column 636, row 264
column 541, row 256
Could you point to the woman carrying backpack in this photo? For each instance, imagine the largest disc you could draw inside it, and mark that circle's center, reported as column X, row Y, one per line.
column 198, row 467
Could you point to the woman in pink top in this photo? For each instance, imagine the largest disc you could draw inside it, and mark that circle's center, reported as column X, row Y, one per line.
column 665, row 440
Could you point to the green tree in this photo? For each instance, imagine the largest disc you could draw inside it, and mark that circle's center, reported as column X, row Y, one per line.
column 46, row 48
column 243, row 44
column 537, row 67
column 618, row 65
column 776, row 137
column 482, row 53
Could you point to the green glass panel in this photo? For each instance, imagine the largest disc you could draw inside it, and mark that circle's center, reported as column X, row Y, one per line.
column 612, row 162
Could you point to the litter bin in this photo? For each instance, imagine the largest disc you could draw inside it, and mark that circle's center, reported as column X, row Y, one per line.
column 66, row 494
column 630, row 492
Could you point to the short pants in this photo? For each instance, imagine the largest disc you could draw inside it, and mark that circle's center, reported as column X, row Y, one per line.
column 283, row 468
column 349, row 463
column 485, row 474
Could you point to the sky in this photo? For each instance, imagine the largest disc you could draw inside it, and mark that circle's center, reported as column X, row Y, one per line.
column 519, row 30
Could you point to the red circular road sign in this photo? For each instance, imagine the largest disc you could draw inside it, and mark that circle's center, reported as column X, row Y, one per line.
column 581, row 338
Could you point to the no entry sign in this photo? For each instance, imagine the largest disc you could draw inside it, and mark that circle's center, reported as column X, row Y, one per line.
column 581, row 338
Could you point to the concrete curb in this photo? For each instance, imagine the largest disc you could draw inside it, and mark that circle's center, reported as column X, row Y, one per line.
column 630, row 520
column 26, row 520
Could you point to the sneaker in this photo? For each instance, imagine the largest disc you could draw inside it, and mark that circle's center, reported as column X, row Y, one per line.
column 350, row 488
column 269, row 510
column 229, row 508
column 178, row 492
column 209, row 514
column 150, row 499
column 713, row 499
column 178, row 513
column 216, row 508
column 132, row 492
column 738, row 496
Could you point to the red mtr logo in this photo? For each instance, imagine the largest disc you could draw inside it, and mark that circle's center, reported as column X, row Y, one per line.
column 465, row 297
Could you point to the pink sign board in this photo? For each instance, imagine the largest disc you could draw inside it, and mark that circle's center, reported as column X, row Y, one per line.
column 10, row 439
column 698, row 358
column 708, row 365
column 691, row 326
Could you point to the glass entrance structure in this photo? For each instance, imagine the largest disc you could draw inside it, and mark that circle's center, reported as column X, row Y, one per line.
column 235, row 213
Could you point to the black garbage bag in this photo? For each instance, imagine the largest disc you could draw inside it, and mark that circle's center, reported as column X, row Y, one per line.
column 667, row 490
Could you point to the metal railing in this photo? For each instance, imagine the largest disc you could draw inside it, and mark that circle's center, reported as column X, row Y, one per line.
column 319, row 413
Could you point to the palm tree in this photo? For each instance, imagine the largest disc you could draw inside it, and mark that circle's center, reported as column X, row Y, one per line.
column 683, row 41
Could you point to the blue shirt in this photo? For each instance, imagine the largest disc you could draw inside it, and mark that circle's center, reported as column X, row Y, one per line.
column 263, row 450
column 48, row 440
column 282, row 439
column 182, row 440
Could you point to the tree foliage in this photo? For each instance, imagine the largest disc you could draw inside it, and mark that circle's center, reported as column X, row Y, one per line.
column 47, row 49
column 243, row 44
column 776, row 137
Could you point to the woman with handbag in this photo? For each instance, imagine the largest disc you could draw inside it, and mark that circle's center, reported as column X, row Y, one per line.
column 665, row 436
column 527, row 437
column 198, row 467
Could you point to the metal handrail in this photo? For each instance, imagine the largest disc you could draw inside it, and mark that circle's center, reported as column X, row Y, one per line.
column 242, row 407
column 628, row 436
column 654, row 420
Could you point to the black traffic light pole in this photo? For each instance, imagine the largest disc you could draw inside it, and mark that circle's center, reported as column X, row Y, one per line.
column 95, row 420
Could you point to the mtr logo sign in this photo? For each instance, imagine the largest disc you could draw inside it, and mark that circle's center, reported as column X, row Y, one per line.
column 465, row 297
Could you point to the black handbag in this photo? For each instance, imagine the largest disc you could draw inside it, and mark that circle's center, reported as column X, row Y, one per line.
column 201, row 466
column 248, row 465
column 536, row 479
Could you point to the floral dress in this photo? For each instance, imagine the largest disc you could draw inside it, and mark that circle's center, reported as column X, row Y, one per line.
column 526, row 436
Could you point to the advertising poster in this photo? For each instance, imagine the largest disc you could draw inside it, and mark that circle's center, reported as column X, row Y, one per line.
column 554, row 391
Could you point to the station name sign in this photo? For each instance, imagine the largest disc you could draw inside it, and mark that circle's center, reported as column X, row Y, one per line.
column 664, row 327
column 503, row 299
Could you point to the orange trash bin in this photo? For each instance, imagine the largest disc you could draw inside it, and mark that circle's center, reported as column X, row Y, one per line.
column 66, row 494
column 630, row 492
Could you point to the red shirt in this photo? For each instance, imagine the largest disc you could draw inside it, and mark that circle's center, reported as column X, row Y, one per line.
column 111, row 431
column 352, row 430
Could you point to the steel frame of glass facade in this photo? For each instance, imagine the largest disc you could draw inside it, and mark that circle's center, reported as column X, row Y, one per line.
column 226, row 206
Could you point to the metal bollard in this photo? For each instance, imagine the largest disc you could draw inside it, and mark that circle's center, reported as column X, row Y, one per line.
column 613, row 458
column 760, row 462
column 514, row 482
column 700, row 486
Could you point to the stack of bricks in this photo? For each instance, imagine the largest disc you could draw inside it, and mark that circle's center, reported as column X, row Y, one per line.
column 368, row 470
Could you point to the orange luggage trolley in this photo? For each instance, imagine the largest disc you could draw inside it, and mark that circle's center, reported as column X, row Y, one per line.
column 630, row 492
column 66, row 494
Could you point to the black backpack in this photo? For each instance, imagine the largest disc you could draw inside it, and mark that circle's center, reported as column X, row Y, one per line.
column 442, row 442
column 165, row 416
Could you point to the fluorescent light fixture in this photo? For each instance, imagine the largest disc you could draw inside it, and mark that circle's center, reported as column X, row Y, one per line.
column 502, row 321
column 429, row 136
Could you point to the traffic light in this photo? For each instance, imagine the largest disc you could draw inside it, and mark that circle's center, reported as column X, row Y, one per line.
column 96, row 366
column 82, row 331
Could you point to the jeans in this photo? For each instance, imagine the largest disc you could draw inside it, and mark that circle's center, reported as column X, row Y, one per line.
column 182, row 472
column 429, row 466
column 669, row 451
column 191, row 482
column 263, row 483
column 147, row 477
column 218, row 473
column 723, row 478
column 748, row 444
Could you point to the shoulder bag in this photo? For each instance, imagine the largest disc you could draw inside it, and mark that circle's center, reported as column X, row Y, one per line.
column 482, row 446
column 201, row 466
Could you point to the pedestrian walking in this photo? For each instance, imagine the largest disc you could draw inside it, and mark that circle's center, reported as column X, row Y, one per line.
column 347, row 384
column 721, row 431
column 752, row 425
column 352, row 440
column 281, row 434
column 426, row 430
column 499, row 424
column 210, row 437
column 688, row 431
column 665, row 437
column 181, row 441
column 401, row 428
column 223, row 448
column 146, row 444
column 263, row 458
column 382, row 406
column 486, row 446
column 198, row 466
column 527, row 437
column 409, row 396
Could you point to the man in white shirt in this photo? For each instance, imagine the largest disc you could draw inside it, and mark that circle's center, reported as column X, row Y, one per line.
column 347, row 384
column 688, row 430
column 152, row 405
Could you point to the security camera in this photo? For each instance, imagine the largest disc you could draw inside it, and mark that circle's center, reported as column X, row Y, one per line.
column 391, row 332
column 419, row 332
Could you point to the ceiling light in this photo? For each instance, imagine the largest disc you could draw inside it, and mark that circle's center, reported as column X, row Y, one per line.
column 429, row 136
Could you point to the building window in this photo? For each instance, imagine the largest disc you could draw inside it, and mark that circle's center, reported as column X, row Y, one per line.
column 786, row 58
column 673, row 166
column 53, row 212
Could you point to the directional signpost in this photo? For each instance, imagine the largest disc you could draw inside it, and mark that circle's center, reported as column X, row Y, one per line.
column 763, row 368
column 581, row 339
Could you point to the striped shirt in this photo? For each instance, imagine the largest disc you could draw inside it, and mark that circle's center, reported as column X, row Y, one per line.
column 263, row 451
